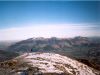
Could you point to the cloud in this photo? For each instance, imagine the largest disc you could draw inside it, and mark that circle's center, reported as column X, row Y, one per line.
column 56, row 30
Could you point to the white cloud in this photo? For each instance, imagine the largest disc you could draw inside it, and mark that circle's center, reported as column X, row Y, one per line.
column 59, row 30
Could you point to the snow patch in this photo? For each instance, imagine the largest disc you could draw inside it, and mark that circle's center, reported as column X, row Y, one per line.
column 55, row 63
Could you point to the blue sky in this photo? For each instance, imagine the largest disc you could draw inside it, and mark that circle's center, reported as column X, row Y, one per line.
column 21, row 14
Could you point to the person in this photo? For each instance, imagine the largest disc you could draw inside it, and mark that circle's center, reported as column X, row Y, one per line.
column 31, row 50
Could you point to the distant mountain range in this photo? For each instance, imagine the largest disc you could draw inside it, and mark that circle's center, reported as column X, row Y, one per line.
column 44, row 44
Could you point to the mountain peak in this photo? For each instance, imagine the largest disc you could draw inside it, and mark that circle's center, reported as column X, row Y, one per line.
column 51, row 63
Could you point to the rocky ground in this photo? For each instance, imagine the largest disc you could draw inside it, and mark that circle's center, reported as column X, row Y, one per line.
column 44, row 64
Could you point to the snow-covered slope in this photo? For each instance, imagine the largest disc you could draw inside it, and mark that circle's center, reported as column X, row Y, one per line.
column 55, row 63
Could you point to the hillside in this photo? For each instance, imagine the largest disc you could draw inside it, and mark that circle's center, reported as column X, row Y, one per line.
column 38, row 63
column 6, row 55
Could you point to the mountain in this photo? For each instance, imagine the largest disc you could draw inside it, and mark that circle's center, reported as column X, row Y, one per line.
column 38, row 63
column 84, row 49
column 39, row 44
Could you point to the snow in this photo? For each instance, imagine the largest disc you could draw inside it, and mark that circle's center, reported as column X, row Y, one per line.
column 55, row 63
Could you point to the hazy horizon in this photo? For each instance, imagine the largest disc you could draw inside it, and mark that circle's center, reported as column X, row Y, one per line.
column 25, row 19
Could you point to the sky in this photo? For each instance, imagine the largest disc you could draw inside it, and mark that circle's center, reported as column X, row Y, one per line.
column 25, row 19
